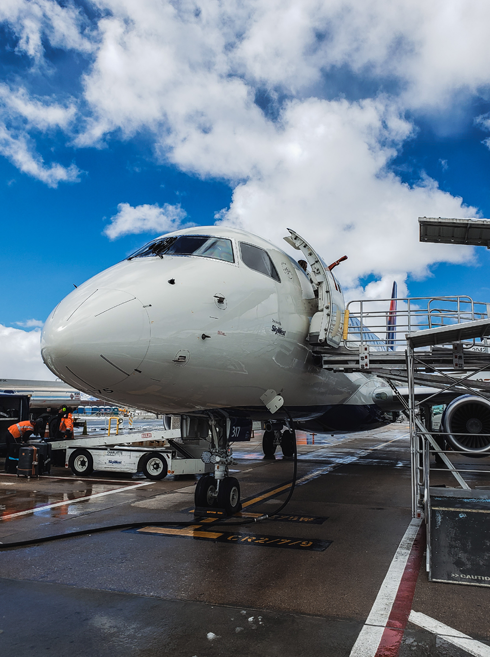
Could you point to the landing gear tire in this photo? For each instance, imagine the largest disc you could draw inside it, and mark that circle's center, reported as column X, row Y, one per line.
column 205, row 495
column 229, row 495
column 154, row 467
column 81, row 463
column 287, row 444
column 268, row 445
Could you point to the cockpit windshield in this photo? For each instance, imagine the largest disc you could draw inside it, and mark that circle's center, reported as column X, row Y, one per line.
column 184, row 245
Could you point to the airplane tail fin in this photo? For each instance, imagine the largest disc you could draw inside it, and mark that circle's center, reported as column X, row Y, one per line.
column 391, row 321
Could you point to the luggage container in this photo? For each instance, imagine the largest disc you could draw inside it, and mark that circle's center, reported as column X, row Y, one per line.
column 34, row 460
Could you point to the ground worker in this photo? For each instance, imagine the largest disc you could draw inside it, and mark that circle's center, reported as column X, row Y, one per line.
column 17, row 434
column 303, row 264
column 66, row 424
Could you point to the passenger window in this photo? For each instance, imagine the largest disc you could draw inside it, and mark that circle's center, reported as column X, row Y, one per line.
column 258, row 260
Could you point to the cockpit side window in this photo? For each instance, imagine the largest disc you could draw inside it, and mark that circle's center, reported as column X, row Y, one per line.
column 218, row 248
column 258, row 260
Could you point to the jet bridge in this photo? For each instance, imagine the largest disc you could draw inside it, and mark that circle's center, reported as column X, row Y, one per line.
column 434, row 351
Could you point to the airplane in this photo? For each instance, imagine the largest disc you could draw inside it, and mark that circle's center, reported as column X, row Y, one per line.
column 43, row 394
column 216, row 325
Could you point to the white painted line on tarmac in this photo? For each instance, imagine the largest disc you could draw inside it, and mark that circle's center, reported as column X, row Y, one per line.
column 370, row 636
column 78, row 499
column 368, row 641
column 447, row 633
column 73, row 478
column 342, row 460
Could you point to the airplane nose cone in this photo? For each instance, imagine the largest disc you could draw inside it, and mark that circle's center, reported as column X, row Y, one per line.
column 96, row 338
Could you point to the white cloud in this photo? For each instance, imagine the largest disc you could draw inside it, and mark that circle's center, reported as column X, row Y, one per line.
column 33, row 20
column 144, row 219
column 20, row 355
column 20, row 114
column 31, row 323
column 19, row 150
column 483, row 121
column 178, row 68
column 331, row 182
column 320, row 166
column 17, row 103
column 189, row 76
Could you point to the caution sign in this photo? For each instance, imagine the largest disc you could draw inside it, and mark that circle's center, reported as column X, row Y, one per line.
column 197, row 532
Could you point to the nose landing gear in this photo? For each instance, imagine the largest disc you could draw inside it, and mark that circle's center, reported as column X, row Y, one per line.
column 219, row 491
column 222, row 494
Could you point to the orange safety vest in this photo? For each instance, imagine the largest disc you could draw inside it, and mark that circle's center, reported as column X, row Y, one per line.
column 66, row 423
column 19, row 429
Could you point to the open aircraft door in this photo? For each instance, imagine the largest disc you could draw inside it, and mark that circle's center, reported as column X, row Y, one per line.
column 326, row 324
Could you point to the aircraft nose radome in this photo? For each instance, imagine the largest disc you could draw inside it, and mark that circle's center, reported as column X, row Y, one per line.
column 96, row 338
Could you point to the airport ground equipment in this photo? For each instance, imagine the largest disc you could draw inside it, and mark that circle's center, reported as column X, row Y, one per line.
column 438, row 353
column 154, row 462
column 126, row 453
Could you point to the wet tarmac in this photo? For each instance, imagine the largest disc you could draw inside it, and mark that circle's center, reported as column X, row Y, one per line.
column 301, row 584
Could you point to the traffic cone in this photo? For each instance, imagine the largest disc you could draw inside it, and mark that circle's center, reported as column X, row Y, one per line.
column 46, row 430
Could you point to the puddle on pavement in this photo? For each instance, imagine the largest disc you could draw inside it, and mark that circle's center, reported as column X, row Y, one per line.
column 14, row 501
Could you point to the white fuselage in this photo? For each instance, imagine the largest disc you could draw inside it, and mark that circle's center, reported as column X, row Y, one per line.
column 183, row 333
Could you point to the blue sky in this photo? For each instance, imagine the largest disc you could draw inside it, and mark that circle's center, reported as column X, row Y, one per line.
column 123, row 119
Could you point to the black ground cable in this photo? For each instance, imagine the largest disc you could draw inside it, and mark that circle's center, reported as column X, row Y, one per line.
column 136, row 525
column 97, row 530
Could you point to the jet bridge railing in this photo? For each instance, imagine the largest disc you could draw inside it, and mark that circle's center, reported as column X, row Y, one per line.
column 382, row 324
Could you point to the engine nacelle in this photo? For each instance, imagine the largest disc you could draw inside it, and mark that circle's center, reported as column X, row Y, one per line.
column 466, row 421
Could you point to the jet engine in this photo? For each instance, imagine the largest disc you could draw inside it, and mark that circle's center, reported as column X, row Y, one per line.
column 466, row 421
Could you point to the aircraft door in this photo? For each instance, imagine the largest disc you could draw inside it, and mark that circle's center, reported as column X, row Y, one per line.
column 326, row 324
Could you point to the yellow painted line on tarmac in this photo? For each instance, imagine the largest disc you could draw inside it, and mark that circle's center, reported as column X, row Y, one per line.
column 193, row 531
column 266, row 495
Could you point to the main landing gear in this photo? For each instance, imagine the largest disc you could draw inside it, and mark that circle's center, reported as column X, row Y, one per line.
column 218, row 490
column 273, row 437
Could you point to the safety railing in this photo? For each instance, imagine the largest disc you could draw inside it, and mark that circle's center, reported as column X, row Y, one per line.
column 118, row 422
column 436, row 463
column 382, row 324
